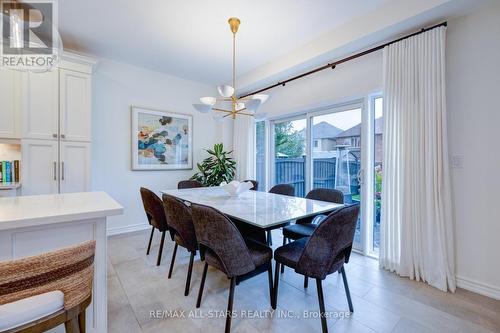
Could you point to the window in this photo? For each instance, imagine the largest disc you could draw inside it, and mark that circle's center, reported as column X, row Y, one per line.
column 336, row 165
column 339, row 147
column 378, row 127
column 290, row 154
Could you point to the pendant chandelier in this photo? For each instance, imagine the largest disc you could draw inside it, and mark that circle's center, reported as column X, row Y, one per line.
column 228, row 105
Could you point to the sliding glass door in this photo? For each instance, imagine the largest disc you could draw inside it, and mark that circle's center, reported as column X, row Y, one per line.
column 337, row 147
column 336, row 155
column 289, row 154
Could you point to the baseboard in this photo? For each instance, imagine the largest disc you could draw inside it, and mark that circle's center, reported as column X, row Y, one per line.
column 126, row 229
column 478, row 287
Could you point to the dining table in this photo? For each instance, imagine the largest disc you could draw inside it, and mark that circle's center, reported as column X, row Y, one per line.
column 255, row 212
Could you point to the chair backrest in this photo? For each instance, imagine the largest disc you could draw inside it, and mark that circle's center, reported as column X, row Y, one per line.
column 323, row 194
column 180, row 221
column 255, row 184
column 330, row 243
column 70, row 270
column 284, row 189
column 189, row 184
column 153, row 206
column 218, row 234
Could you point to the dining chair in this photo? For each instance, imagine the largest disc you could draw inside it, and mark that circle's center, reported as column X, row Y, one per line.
column 225, row 249
column 326, row 251
column 40, row 292
column 188, row 184
column 283, row 189
column 180, row 223
column 304, row 227
column 155, row 212
column 255, row 183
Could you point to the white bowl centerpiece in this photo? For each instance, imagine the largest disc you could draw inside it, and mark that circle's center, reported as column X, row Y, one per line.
column 235, row 188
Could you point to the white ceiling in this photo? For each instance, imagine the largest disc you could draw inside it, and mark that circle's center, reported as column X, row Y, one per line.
column 191, row 38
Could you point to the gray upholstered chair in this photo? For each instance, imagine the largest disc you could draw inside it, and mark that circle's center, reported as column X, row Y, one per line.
column 255, row 184
column 323, row 253
column 225, row 249
column 156, row 217
column 180, row 223
column 283, row 189
column 188, row 184
column 305, row 227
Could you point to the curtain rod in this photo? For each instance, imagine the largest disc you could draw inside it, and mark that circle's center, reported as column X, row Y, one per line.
column 341, row 61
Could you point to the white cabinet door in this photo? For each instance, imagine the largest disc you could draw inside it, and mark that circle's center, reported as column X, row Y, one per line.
column 10, row 104
column 39, row 167
column 75, row 108
column 75, row 167
column 40, row 105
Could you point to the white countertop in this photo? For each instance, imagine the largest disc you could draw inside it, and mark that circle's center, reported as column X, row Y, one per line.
column 33, row 210
column 261, row 209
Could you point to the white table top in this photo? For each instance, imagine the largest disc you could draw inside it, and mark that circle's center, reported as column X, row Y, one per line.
column 261, row 209
column 34, row 210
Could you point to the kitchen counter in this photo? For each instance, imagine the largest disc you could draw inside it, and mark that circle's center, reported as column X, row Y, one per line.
column 35, row 224
column 36, row 210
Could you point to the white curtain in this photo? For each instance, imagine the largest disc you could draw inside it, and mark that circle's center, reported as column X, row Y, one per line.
column 244, row 147
column 417, row 227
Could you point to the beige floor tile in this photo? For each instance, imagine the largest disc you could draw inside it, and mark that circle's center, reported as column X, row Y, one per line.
column 406, row 325
column 383, row 302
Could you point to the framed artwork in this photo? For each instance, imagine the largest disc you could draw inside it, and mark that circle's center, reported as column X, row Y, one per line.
column 161, row 140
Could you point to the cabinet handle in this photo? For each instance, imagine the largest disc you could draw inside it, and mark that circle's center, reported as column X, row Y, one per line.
column 62, row 170
column 55, row 170
column 54, row 135
column 63, row 136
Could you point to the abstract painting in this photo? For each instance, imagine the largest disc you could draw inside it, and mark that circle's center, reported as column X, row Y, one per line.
column 161, row 140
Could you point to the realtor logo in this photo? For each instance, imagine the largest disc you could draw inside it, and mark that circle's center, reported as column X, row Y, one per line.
column 30, row 40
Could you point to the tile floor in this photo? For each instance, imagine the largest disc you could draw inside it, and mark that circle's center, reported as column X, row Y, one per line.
column 142, row 299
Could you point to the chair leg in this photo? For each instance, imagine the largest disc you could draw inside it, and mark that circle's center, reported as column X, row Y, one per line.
column 81, row 322
column 283, row 266
column 270, row 278
column 190, row 270
column 150, row 240
column 321, row 300
column 230, row 305
column 202, row 285
column 274, row 301
column 346, row 287
column 269, row 238
column 306, row 282
column 161, row 248
column 172, row 261
column 71, row 326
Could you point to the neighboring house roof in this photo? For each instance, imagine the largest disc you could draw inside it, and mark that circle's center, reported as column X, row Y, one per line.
column 356, row 130
column 324, row 130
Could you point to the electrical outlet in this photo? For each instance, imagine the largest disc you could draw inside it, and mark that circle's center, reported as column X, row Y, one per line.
column 457, row 162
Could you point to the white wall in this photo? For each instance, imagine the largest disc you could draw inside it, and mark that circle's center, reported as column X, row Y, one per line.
column 116, row 87
column 348, row 81
column 473, row 87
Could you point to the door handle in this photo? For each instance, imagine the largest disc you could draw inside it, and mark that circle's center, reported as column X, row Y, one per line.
column 54, row 135
column 62, row 170
column 55, row 170
column 63, row 136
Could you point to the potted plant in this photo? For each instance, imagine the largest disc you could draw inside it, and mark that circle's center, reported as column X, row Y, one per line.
column 218, row 167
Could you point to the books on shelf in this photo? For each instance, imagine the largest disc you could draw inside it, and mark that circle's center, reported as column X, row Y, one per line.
column 9, row 171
